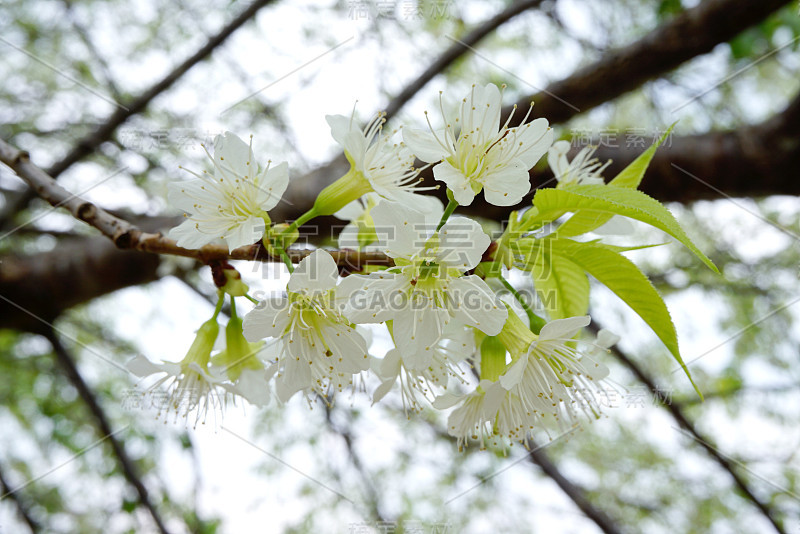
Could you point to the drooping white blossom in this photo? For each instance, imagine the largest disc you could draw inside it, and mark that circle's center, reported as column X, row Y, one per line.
column 190, row 384
column 478, row 153
column 427, row 288
column 317, row 347
column 552, row 379
column 232, row 203
column 582, row 170
column 490, row 415
column 426, row 374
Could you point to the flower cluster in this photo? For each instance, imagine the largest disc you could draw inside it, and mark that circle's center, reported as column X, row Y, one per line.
column 439, row 299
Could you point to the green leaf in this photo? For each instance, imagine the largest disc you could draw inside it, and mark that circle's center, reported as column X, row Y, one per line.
column 552, row 203
column 630, row 177
column 561, row 285
column 624, row 278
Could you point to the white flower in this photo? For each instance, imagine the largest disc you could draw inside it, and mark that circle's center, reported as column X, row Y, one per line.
column 490, row 415
column 319, row 350
column 190, row 385
column 427, row 288
column 552, row 379
column 426, row 373
column 377, row 164
column 582, row 170
column 233, row 203
column 359, row 233
column 484, row 155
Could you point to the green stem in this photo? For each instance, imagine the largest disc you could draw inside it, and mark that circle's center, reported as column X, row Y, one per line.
column 536, row 322
column 220, row 302
column 448, row 211
column 304, row 218
column 251, row 299
column 233, row 308
column 285, row 258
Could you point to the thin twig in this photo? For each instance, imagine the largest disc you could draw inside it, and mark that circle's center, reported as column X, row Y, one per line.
column 103, row 133
column 571, row 490
column 371, row 494
column 22, row 509
column 104, row 426
column 455, row 51
column 127, row 236
column 683, row 420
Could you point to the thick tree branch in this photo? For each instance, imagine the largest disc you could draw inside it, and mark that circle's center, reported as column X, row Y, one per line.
column 683, row 420
column 103, row 133
column 103, row 425
column 692, row 33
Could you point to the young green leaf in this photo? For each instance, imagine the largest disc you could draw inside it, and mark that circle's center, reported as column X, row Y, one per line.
column 624, row 278
column 551, row 203
column 630, row 177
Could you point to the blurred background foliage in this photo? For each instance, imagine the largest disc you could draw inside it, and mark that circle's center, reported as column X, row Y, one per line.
column 375, row 464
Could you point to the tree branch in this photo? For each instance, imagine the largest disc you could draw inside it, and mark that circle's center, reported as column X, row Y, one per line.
column 692, row 33
column 127, row 236
column 103, row 425
column 22, row 509
column 683, row 420
column 577, row 494
column 457, row 50
column 103, row 133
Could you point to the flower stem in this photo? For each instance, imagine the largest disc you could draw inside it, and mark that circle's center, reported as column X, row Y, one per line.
column 285, row 257
column 251, row 299
column 448, row 211
column 536, row 322
column 220, row 302
column 304, row 218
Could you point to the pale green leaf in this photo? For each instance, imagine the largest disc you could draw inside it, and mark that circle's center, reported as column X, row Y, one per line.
column 630, row 177
column 624, row 278
column 552, row 203
column 561, row 285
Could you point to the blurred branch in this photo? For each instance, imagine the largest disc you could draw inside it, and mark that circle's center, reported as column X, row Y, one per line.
column 370, row 492
column 753, row 160
column 127, row 236
column 457, row 50
column 692, row 33
column 726, row 160
column 683, row 420
column 22, row 509
column 577, row 494
column 104, row 426
column 103, row 133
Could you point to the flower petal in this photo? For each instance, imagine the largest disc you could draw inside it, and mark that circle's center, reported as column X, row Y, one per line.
column 564, row 328
column 316, row 273
column 455, row 181
column 506, row 185
column 474, row 304
column 532, row 140
column 462, row 243
column 245, row 233
column 268, row 319
column 424, row 145
column 272, row 184
column 401, row 231
column 232, row 158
